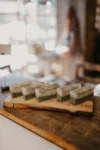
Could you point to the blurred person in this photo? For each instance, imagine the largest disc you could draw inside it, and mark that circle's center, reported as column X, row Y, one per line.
column 72, row 28
column 71, row 39
column 71, row 35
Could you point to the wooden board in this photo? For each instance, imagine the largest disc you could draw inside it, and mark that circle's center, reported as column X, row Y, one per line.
column 52, row 104
column 67, row 131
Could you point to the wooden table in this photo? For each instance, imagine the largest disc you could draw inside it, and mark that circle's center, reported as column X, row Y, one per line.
column 79, row 132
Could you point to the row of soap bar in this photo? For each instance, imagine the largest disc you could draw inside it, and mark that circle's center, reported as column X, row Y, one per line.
column 45, row 91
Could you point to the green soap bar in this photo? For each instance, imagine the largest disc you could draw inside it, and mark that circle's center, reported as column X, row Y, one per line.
column 81, row 100
column 14, row 95
column 63, row 98
column 28, row 97
column 44, row 98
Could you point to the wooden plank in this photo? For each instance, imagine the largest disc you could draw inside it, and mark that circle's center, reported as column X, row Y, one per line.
column 53, row 104
column 69, row 132
column 45, row 134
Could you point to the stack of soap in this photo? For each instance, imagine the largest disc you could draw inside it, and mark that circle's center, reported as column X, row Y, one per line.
column 63, row 93
column 16, row 90
column 46, row 92
column 29, row 91
column 80, row 95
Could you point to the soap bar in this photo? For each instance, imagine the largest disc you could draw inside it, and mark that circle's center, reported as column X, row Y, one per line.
column 17, row 94
column 44, row 98
column 63, row 98
column 63, row 93
column 29, row 91
column 28, row 97
column 16, row 90
column 81, row 95
column 46, row 92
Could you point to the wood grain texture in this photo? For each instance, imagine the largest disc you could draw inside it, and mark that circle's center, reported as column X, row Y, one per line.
column 45, row 134
column 67, row 131
column 52, row 104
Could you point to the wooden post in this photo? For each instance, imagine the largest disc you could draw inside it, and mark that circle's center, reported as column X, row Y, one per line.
column 90, row 31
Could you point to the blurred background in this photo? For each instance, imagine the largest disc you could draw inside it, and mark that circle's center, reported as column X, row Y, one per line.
column 50, row 40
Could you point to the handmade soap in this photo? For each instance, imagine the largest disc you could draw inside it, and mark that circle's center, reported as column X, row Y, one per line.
column 63, row 93
column 16, row 90
column 46, row 92
column 29, row 91
column 80, row 95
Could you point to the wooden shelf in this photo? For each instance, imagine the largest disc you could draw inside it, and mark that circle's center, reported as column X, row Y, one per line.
column 88, row 67
column 92, row 67
column 92, row 79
